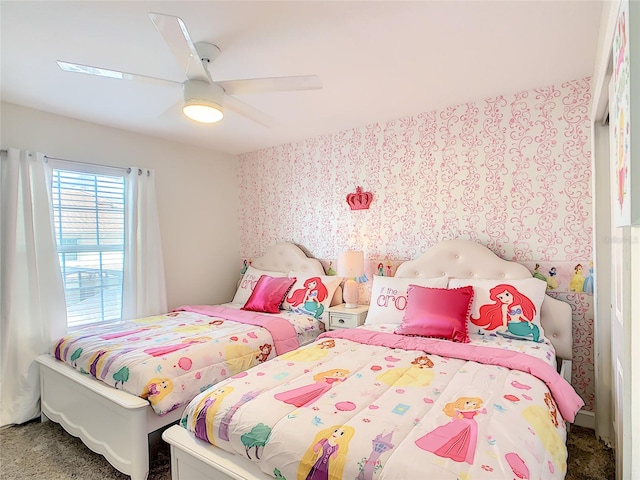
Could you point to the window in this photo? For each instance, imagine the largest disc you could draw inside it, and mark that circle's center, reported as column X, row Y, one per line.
column 89, row 219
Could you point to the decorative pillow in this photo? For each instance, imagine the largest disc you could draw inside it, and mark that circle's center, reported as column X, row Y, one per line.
column 249, row 280
column 268, row 294
column 389, row 297
column 437, row 312
column 510, row 308
column 311, row 294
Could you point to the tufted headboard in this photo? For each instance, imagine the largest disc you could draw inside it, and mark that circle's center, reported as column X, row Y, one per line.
column 469, row 259
column 285, row 257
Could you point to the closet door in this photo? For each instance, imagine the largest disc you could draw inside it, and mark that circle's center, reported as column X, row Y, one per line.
column 623, row 342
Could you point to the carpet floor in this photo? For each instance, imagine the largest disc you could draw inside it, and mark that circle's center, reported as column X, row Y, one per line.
column 44, row 451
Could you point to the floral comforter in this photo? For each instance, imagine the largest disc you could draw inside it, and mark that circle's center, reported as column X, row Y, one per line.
column 169, row 359
column 364, row 404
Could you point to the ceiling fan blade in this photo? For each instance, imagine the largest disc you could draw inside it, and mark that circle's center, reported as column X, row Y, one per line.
column 175, row 34
column 248, row 111
column 173, row 111
column 274, row 84
column 104, row 72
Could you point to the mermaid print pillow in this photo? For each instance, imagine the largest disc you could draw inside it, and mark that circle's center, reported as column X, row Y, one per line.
column 509, row 308
column 311, row 294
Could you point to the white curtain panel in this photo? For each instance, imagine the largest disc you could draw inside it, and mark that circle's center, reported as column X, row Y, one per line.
column 144, row 291
column 33, row 310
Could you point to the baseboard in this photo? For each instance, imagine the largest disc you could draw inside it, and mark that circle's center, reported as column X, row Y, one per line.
column 586, row 419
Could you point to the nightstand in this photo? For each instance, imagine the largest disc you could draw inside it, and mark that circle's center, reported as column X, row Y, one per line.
column 341, row 317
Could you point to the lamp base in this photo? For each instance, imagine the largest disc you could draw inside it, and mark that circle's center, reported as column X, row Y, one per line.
column 350, row 294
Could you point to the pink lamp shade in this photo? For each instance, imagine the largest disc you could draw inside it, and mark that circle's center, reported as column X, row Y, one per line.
column 350, row 266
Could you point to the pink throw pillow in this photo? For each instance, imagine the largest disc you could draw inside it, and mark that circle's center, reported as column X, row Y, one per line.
column 268, row 294
column 437, row 312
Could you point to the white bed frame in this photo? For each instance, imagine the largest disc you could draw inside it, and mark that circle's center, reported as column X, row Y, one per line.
column 117, row 424
column 193, row 459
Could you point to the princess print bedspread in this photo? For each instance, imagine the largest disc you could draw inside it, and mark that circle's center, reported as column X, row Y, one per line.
column 365, row 405
column 168, row 359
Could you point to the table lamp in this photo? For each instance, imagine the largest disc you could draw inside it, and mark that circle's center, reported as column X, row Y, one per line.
column 350, row 266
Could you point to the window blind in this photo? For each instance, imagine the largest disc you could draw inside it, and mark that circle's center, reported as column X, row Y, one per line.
column 89, row 222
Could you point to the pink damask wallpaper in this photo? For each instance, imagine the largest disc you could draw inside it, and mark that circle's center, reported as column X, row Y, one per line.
column 512, row 172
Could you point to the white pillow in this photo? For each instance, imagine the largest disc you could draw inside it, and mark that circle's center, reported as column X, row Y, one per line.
column 249, row 280
column 389, row 297
column 510, row 308
column 311, row 294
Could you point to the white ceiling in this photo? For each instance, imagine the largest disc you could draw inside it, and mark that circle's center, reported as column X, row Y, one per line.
column 377, row 60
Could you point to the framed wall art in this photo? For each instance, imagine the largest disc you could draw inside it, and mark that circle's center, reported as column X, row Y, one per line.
column 626, row 203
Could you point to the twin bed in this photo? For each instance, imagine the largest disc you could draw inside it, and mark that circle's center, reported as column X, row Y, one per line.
column 151, row 367
column 488, row 401
column 370, row 403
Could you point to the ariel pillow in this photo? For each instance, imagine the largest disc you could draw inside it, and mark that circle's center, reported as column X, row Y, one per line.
column 249, row 280
column 389, row 297
column 311, row 294
column 268, row 294
column 510, row 308
column 437, row 312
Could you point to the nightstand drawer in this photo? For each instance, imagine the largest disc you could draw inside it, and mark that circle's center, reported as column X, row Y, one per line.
column 341, row 317
column 343, row 320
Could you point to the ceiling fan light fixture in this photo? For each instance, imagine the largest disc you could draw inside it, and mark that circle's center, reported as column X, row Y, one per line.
column 203, row 101
column 202, row 111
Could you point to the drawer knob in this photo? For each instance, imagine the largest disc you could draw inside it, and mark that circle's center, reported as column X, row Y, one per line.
column 341, row 320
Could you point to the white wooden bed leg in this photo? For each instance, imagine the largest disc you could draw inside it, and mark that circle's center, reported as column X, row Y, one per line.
column 140, row 476
column 139, row 449
column 175, row 470
column 565, row 372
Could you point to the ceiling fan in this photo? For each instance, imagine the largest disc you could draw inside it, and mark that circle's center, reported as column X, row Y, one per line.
column 204, row 99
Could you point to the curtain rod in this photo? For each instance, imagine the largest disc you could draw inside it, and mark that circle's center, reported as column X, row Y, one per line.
column 47, row 157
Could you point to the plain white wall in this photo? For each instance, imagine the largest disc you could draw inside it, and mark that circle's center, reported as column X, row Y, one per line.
column 197, row 194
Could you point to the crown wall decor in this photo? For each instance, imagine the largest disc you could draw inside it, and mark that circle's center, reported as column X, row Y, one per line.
column 359, row 200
